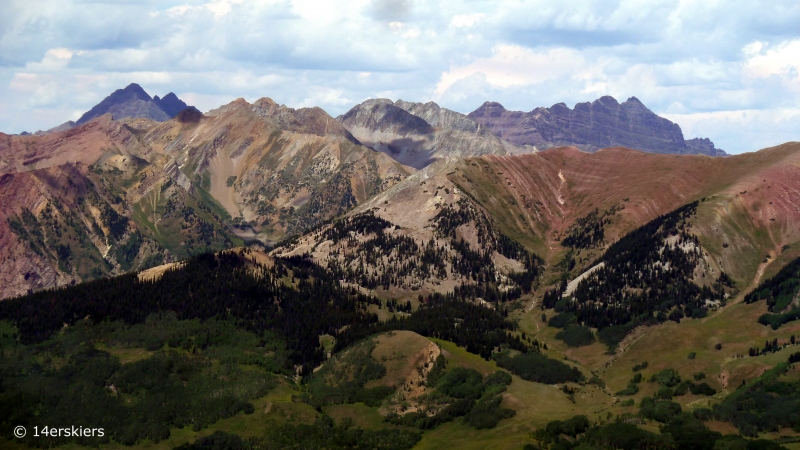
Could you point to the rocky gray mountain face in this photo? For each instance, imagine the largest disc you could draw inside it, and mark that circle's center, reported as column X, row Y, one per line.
column 591, row 126
column 133, row 101
column 416, row 134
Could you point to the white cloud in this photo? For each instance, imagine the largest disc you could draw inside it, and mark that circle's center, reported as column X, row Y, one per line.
column 782, row 60
column 512, row 65
column 467, row 20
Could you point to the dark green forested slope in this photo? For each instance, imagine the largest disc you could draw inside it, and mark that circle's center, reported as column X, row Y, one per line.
column 781, row 294
column 198, row 328
column 644, row 280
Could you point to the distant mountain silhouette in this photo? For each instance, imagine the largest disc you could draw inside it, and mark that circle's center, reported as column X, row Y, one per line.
column 133, row 101
column 591, row 126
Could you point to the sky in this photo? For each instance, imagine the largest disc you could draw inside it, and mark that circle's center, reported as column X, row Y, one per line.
column 729, row 71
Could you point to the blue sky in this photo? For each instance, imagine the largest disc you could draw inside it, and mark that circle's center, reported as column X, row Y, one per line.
column 729, row 71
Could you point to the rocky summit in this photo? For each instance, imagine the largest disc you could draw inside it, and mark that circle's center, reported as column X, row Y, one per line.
column 133, row 102
column 416, row 134
column 591, row 126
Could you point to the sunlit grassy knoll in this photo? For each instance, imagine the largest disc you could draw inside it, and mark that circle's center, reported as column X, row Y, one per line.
column 400, row 352
column 457, row 356
column 535, row 403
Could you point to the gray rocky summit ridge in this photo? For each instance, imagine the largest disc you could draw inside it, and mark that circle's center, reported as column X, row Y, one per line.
column 416, row 134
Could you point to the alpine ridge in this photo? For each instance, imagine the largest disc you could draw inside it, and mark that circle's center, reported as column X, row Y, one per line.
column 591, row 126
column 416, row 134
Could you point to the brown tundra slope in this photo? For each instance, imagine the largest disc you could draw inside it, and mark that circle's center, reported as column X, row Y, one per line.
column 85, row 144
column 747, row 216
column 110, row 196
column 748, row 209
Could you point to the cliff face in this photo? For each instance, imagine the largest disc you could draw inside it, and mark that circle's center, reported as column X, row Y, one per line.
column 591, row 126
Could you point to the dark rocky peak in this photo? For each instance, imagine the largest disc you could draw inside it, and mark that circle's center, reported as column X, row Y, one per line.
column 488, row 109
column 189, row 115
column 133, row 102
column 171, row 104
column 704, row 146
column 133, row 89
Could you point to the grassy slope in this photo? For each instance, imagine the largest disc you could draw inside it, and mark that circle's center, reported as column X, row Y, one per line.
column 535, row 403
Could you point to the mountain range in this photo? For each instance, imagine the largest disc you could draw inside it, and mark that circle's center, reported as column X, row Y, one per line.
column 591, row 126
column 402, row 275
column 266, row 171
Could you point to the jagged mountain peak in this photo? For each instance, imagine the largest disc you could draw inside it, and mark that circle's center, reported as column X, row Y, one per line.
column 135, row 89
column 134, row 102
column 589, row 126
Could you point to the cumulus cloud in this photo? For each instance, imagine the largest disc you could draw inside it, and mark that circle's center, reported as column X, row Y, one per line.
column 512, row 65
column 702, row 63
column 782, row 60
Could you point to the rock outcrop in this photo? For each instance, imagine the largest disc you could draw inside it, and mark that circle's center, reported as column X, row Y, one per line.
column 591, row 126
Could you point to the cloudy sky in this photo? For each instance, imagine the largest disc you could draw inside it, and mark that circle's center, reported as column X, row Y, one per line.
column 729, row 71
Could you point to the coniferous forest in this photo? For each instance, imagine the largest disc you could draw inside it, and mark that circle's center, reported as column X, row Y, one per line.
column 646, row 277
column 780, row 293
